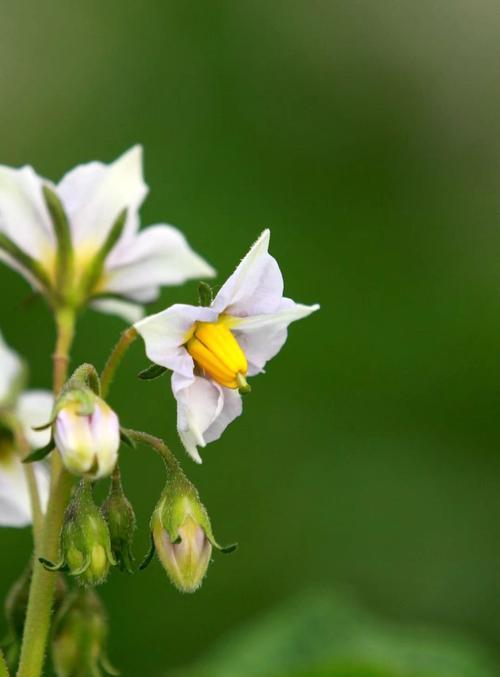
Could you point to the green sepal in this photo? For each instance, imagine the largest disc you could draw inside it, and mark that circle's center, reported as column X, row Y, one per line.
column 64, row 259
column 95, row 268
column 126, row 439
column 149, row 555
column 86, row 375
column 41, row 453
column 25, row 261
column 82, row 569
column 152, row 372
column 205, row 294
column 50, row 566
column 108, row 667
column 172, row 511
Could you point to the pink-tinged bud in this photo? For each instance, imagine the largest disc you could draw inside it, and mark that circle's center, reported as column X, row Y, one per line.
column 186, row 560
column 88, row 443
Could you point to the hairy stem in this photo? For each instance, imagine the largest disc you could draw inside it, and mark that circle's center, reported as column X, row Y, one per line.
column 36, row 509
column 158, row 445
column 37, row 624
column 114, row 360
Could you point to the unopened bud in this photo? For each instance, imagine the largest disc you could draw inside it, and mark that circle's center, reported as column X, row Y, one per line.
column 87, row 437
column 85, row 542
column 182, row 534
column 80, row 637
column 119, row 515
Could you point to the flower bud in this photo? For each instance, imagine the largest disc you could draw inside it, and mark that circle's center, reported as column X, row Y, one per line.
column 85, row 543
column 88, row 441
column 182, row 534
column 79, row 637
column 119, row 515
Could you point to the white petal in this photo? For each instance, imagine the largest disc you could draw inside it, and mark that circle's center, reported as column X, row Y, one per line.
column 231, row 408
column 94, row 194
column 199, row 403
column 157, row 256
column 23, row 215
column 255, row 287
column 73, row 438
column 15, row 507
column 130, row 312
column 165, row 333
column 262, row 336
column 34, row 408
column 105, row 430
column 11, row 372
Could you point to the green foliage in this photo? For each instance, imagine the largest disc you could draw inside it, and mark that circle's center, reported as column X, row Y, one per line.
column 322, row 634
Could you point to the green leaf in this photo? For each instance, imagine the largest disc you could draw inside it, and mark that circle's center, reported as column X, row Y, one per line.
column 41, row 453
column 151, row 372
column 324, row 634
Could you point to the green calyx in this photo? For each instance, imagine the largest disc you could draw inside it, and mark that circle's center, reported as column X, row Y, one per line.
column 85, row 545
column 80, row 635
column 180, row 500
column 120, row 518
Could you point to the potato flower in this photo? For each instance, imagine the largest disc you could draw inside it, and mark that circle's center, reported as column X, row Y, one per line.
column 91, row 219
column 211, row 350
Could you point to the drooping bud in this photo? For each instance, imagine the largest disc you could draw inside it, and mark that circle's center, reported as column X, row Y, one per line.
column 80, row 636
column 87, row 437
column 85, row 546
column 120, row 517
column 182, row 534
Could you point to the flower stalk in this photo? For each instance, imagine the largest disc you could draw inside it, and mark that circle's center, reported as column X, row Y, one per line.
column 40, row 601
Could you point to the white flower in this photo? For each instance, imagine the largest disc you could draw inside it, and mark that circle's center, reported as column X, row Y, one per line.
column 88, row 444
column 93, row 195
column 27, row 409
column 212, row 349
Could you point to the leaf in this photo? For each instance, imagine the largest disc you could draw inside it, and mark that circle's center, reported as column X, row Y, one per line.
column 324, row 634
column 41, row 453
column 151, row 372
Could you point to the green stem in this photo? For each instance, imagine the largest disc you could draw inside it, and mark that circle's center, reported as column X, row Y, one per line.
column 158, row 445
column 37, row 624
column 114, row 360
column 36, row 509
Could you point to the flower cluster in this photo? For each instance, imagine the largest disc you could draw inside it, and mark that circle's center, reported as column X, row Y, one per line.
column 78, row 243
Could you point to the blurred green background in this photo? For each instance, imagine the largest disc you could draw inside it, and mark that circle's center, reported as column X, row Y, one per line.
column 366, row 135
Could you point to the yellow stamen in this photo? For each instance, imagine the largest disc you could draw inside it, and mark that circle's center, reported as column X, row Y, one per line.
column 216, row 351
